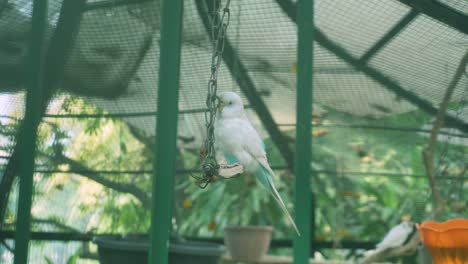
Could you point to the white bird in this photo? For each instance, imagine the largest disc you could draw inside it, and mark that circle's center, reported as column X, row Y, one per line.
column 239, row 142
column 396, row 237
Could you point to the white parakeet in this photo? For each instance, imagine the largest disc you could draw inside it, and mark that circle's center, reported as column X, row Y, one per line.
column 239, row 142
column 396, row 237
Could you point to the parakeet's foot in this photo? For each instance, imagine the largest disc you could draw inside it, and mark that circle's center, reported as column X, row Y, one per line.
column 227, row 171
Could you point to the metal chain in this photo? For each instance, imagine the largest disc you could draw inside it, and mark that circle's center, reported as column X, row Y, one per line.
column 236, row 59
column 219, row 25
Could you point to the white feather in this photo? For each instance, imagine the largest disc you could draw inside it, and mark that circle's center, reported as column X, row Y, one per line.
column 396, row 236
column 235, row 135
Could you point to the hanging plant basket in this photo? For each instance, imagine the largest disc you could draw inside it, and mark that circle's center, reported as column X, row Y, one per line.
column 247, row 243
column 447, row 242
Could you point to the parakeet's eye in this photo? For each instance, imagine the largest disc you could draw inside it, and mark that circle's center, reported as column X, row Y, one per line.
column 230, row 103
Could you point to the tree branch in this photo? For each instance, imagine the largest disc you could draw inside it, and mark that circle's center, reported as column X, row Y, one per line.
column 55, row 58
column 428, row 152
column 55, row 222
column 407, row 249
column 439, row 202
column 140, row 136
column 84, row 171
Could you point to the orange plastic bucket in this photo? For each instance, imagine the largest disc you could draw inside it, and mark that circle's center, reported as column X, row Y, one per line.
column 447, row 242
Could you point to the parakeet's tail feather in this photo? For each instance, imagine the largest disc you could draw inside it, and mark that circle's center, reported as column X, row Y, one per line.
column 285, row 210
column 266, row 178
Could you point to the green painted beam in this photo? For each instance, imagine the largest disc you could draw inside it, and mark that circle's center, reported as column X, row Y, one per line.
column 57, row 52
column 61, row 45
column 166, row 130
column 28, row 137
column 275, row 243
column 303, row 199
column 386, row 82
column 274, row 167
column 385, row 128
column 246, row 84
column 440, row 12
column 395, row 30
column 112, row 4
column 317, row 244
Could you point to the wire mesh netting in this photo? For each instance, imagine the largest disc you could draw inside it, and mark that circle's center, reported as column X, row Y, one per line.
column 458, row 5
column 94, row 161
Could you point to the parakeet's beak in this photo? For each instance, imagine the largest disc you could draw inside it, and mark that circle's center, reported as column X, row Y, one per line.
column 221, row 105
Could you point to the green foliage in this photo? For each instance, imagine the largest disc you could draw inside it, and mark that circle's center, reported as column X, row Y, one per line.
column 71, row 104
column 73, row 259
column 123, row 214
column 362, row 205
column 360, row 180
column 48, row 260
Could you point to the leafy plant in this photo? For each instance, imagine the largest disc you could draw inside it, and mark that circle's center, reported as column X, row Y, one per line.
column 365, row 178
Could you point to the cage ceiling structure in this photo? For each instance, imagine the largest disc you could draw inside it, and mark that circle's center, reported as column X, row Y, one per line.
column 374, row 62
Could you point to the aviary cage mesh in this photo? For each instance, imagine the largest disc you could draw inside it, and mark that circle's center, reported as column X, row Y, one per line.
column 97, row 134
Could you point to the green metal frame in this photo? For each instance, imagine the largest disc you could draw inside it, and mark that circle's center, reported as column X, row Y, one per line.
column 240, row 74
column 275, row 243
column 28, row 137
column 167, row 106
column 274, row 167
column 388, row 83
column 41, row 81
column 290, row 9
column 111, row 4
column 405, row 21
column 304, row 203
column 166, row 130
column 385, row 128
column 57, row 52
column 434, row 9
column 440, row 12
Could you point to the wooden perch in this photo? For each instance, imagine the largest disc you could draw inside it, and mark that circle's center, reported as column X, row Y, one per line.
column 407, row 249
column 227, row 171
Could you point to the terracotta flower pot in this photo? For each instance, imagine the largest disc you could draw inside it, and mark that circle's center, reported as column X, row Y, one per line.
column 447, row 242
column 247, row 243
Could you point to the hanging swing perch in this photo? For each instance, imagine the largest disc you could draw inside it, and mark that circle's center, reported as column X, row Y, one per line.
column 211, row 169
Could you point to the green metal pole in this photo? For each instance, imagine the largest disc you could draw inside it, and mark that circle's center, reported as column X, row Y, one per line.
column 303, row 195
column 27, row 138
column 166, row 130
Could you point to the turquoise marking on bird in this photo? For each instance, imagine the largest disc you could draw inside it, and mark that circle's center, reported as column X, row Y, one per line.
column 262, row 175
column 240, row 143
column 230, row 159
